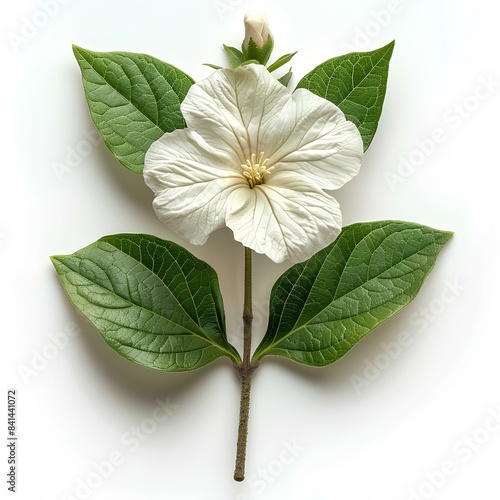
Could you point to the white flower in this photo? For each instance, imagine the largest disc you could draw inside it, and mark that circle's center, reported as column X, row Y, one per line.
column 256, row 158
column 256, row 27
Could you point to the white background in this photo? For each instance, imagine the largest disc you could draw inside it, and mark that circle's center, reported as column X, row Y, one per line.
column 380, row 440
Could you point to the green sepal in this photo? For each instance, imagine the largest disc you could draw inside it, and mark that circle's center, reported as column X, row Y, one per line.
column 213, row 66
column 235, row 56
column 285, row 79
column 250, row 61
column 280, row 62
column 260, row 54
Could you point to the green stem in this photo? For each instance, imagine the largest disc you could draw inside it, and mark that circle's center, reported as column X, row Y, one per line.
column 241, row 447
column 245, row 371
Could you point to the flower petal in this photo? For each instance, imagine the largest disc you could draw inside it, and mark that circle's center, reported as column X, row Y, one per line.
column 247, row 111
column 233, row 109
column 285, row 218
column 316, row 139
column 308, row 144
column 191, row 185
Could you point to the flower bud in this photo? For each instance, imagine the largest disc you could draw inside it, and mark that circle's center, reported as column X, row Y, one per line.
column 256, row 28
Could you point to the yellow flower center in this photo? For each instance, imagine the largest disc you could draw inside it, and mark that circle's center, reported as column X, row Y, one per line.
column 255, row 169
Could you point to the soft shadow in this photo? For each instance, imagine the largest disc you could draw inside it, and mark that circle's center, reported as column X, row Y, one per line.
column 131, row 184
column 337, row 375
column 136, row 382
column 113, row 172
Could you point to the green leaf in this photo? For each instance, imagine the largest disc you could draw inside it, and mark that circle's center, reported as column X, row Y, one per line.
column 152, row 301
column 321, row 308
column 235, row 56
column 280, row 62
column 356, row 83
column 133, row 100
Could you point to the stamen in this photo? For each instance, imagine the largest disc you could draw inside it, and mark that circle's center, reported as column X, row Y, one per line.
column 255, row 169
